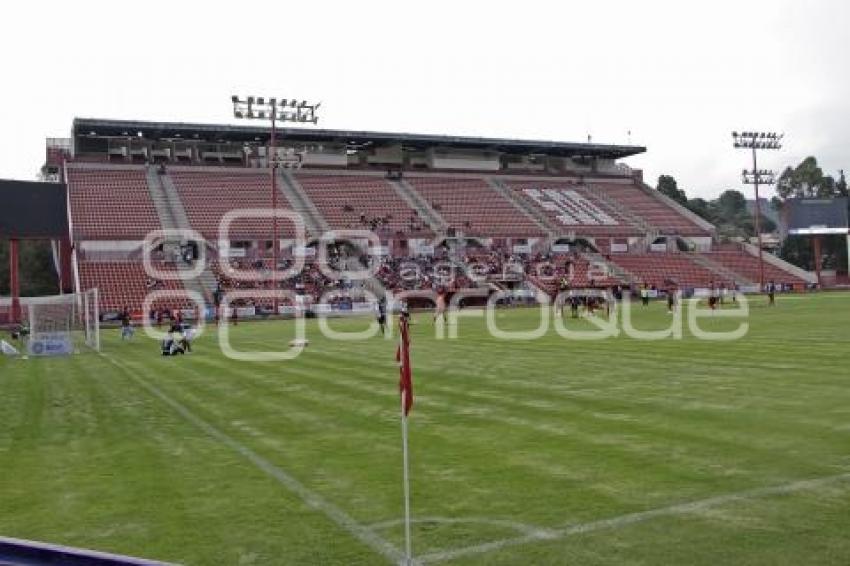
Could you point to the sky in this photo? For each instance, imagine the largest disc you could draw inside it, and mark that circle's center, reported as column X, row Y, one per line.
column 680, row 76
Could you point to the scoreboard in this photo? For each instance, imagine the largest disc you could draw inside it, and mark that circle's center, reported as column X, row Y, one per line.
column 817, row 216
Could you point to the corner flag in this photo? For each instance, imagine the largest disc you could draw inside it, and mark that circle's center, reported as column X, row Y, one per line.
column 402, row 356
column 405, row 387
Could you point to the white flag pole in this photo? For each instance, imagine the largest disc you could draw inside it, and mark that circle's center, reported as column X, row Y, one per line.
column 408, row 552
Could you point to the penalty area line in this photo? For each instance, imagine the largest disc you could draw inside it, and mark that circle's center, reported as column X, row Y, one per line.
column 315, row 501
column 634, row 518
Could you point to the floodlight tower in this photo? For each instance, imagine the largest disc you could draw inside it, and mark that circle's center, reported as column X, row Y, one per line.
column 755, row 141
column 274, row 110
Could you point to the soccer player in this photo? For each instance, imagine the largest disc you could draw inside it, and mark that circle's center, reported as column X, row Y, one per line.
column 574, row 303
column 712, row 297
column 771, row 294
column 187, row 335
column 644, row 295
column 405, row 311
column 590, row 304
column 382, row 315
column 441, row 306
column 126, row 324
column 671, row 299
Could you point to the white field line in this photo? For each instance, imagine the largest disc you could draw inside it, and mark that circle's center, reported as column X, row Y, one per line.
column 311, row 498
column 633, row 518
column 524, row 528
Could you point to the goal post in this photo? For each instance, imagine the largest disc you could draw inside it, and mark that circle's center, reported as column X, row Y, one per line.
column 61, row 325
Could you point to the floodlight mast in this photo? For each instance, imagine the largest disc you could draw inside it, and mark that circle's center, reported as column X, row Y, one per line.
column 273, row 109
column 756, row 176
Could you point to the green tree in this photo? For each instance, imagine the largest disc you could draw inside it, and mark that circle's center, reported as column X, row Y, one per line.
column 668, row 187
column 731, row 204
column 806, row 180
column 701, row 208
column 36, row 272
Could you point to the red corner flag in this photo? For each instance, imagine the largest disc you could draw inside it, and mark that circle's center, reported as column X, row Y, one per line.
column 402, row 356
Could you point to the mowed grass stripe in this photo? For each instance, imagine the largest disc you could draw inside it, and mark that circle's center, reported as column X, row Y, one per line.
column 310, row 498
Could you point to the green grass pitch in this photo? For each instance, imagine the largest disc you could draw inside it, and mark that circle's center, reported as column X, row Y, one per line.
column 539, row 452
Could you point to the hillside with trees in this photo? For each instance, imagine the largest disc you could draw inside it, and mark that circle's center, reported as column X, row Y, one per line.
column 35, row 268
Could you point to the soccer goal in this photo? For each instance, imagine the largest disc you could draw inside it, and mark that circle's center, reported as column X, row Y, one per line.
column 61, row 325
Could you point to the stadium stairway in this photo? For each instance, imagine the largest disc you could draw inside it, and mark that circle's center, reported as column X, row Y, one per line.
column 782, row 264
column 172, row 215
column 682, row 210
column 617, row 272
column 425, row 211
column 294, row 194
column 534, row 214
column 178, row 211
column 723, row 273
column 160, row 199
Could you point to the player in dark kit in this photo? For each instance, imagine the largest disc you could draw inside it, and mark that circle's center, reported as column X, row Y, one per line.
column 126, row 324
column 712, row 297
column 382, row 315
column 771, row 294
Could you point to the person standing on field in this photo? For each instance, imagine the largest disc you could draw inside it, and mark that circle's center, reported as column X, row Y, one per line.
column 126, row 324
column 440, row 311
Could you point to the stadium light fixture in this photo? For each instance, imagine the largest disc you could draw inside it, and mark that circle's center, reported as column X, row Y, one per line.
column 274, row 110
column 755, row 141
column 758, row 176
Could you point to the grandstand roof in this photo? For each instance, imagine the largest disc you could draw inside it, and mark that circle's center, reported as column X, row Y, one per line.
column 353, row 139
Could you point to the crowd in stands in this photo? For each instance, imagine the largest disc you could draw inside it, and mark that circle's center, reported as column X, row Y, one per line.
column 381, row 225
column 448, row 270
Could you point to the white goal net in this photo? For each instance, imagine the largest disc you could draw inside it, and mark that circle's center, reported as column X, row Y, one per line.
column 60, row 325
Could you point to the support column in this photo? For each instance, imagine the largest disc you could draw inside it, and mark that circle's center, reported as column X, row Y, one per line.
column 848, row 254
column 14, row 281
column 817, row 244
column 66, row 279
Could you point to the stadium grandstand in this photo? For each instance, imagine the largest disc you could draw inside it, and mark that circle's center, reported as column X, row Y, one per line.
column 448, row 211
